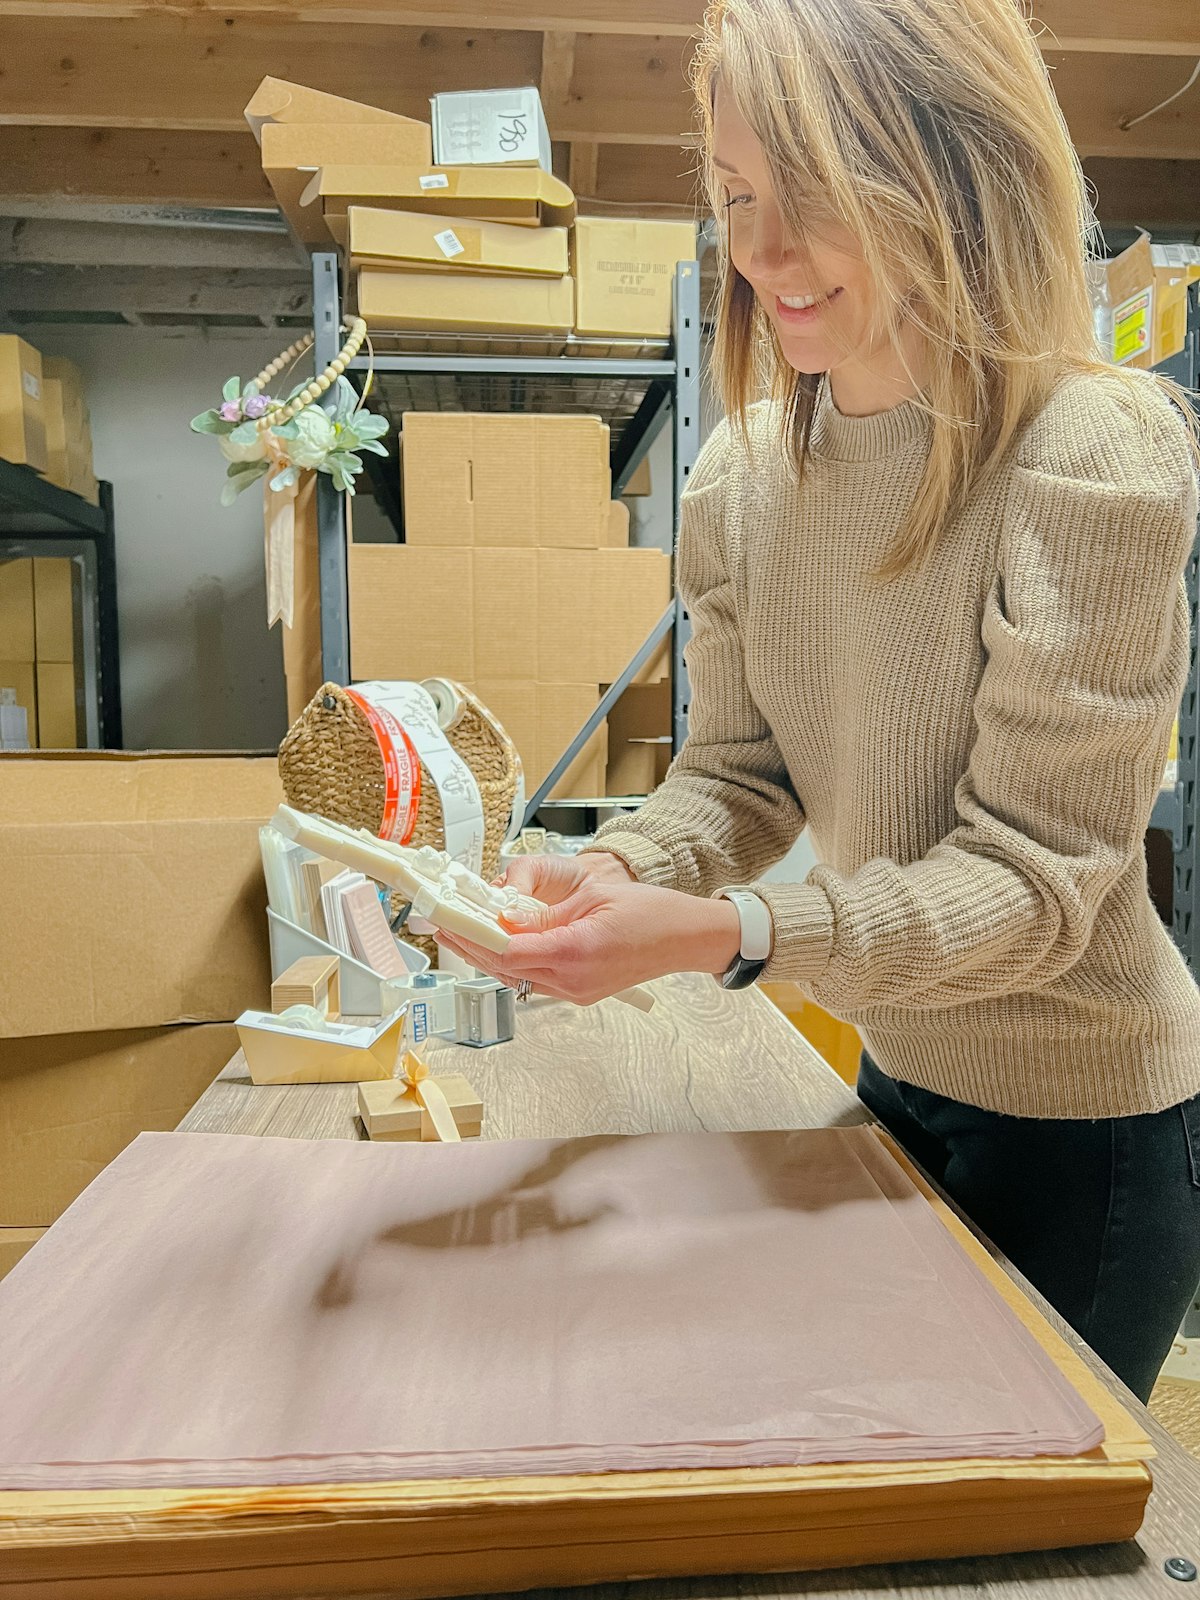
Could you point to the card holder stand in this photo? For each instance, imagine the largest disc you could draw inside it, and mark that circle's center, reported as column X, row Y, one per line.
column 360, row 987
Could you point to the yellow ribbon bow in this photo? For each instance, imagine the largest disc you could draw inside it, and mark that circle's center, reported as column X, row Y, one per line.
column 438, row 1122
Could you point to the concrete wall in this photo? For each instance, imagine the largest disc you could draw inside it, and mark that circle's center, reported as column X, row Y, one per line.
column 199, row 668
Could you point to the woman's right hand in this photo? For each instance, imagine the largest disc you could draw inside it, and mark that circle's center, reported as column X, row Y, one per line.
column 553, row 878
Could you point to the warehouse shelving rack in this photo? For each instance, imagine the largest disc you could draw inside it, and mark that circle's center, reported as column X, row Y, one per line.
column 38, row 518
column 636, row 387
column 1175, row 809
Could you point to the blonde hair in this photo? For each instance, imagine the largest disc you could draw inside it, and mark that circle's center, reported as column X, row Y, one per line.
column 928, row 128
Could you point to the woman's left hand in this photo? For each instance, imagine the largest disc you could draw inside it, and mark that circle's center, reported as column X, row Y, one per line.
column 608, row 936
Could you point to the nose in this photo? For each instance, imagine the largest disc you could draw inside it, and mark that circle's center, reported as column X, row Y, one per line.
column 772, row 251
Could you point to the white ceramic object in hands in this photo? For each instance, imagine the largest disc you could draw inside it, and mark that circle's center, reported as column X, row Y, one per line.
column 441, row 891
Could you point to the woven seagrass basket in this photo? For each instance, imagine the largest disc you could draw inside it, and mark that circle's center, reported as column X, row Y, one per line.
column 331, row 765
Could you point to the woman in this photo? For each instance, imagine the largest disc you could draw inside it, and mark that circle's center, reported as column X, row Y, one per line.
column 935, row 586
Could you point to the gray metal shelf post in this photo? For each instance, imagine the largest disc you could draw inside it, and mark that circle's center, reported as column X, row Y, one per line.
column 687, row 446
column 331, row 510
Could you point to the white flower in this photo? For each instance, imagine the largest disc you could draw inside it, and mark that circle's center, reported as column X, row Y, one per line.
column 254, row 451
column 316, row 439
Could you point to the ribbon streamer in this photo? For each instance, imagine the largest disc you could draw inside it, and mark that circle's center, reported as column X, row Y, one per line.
column 431, row 1099
column 279, row 520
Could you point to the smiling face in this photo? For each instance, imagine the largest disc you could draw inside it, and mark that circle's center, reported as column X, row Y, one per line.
column 821, row 299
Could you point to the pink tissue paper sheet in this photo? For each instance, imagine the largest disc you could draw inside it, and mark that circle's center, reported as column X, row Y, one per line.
column 222, row 1310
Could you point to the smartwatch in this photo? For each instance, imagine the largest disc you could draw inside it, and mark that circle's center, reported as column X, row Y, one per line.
column 757, row 938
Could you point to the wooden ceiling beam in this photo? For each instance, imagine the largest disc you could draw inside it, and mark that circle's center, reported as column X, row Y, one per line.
column 1098, row 98
column 1146, row 194
column 1125, row 27
column 141, row 166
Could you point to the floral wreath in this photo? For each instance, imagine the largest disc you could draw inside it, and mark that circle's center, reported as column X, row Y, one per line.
column 261, row 437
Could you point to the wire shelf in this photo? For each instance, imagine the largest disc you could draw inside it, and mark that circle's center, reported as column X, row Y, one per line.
column 396, row 342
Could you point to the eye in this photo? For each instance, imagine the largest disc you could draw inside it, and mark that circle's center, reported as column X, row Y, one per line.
column 735, row 202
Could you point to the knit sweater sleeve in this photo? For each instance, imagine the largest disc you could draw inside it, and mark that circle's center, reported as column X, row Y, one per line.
column 1085, row 635
column 726, row 809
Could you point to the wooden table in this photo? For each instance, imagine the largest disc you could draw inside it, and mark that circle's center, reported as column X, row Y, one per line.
column 704, row 1060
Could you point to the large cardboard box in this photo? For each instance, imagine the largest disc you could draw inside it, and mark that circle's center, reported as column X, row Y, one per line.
column 134, row 889
column 55, row 611
column 60, row 712
column 551, row 616
column 456, row 303
column 639, row 735
column 624, row 269
column 1147, row 294
column 16, row 1243
column 58, row 468
column 423, row 242
column 542, row 719
column 76, row 473
column 278, row 101
column 71, row 1102
column 506, row 480
column 16, row 610
column 519, row 196
column 293, row 152
column 22, row 407
column 490, row 128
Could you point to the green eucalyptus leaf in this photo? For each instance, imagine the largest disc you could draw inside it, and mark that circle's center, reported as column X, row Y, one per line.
column 211, row 422
column 232, row 389
column 244, row 433
column 251, row 388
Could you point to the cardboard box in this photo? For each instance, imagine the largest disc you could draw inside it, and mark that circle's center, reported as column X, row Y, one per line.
column 20, row 677
column 616, row 526
column 54, row 581
column 76, row 420
column 550, row 616
column 57, row 463
column 292, row 153
column 521, row 197
column 414, row 240
column 16, row 610
column 140, row 889
column 637, row 762
column 1147, row 294
column 639, row 484
column 71, row 1102
column 278, row 101
column 624, row 270
column 16, row 1243
column 542, row 719
column 490, row 128
column 59, row 710
column 22, row 410
column 454, row 302
column 506, row 480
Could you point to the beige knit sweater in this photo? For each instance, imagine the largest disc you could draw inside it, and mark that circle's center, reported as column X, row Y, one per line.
column 975, row 747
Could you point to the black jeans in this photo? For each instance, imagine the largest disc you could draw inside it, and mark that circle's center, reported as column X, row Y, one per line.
column 1102, row 1217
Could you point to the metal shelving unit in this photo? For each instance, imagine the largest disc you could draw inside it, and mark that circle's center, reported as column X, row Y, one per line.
column 636, row 387
column 39, row 519
column 1175, row 809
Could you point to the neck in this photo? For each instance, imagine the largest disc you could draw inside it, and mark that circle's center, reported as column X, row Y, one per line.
column 864, row 386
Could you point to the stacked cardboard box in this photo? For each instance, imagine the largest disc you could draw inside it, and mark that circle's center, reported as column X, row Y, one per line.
column 136, row 933
column 512, row 580
column 39, row 619
column 22, row 405
column 68, row 430
column 436, row 243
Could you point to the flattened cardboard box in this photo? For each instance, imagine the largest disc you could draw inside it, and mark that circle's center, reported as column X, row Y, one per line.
column 16, row 1243
column 278, row 101
column 505, row 481
column 426, row 241
column 522, row 197
column 553, row 616
column 140, row 889
column 292, row 154
column 71, row 1102
column 449, row 302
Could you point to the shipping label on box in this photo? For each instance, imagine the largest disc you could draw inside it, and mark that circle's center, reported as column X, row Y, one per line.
column 552, row 616
column 490, row 128
column 624, row 271
column 505, row 481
